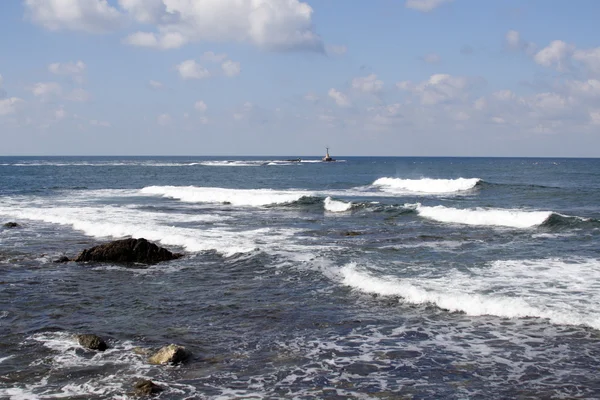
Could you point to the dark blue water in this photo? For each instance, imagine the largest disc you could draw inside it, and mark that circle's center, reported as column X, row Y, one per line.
column 380, row 278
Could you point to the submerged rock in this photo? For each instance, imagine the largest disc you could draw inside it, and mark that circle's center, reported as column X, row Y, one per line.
column 171, row 354
column 92, row 342
column 127, row 251
column 146, row 387
column 11, row 225
column 62, row 259
column 352, row 233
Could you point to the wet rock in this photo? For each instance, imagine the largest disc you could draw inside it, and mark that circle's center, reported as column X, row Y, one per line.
column 92, row 342
column 171, row 354
column 128, row 251
column 11, row 225
column 352, row 233
column 63, row 259
column 146, row 387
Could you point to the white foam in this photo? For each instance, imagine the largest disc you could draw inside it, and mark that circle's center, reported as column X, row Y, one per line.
column 564, row 291
column 237, row 197
column 485, row 216
column 336, row 205
column 425, row 185
column 118, row 222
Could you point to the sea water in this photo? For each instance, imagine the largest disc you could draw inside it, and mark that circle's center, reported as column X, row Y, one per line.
column 372, row 278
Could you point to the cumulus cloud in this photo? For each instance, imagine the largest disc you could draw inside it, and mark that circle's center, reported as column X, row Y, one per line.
column 46, row 89
column 590, row 59
column 432, row 58
column 367, row 84
column 169, row 40
column 9, row 105
column 514, row 42
column 337, row 50
column 156, row 85
column 268, row 24
column 340, row 98
column 231, row 68
column 200, row 106
column 93, row 16
column 190, row 69
column 163, row 119
column 556, row 54
column 75, row 70
column 439, row 88
column 425, row 5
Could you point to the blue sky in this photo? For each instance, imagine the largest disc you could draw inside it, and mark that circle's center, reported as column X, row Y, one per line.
column 287, row 77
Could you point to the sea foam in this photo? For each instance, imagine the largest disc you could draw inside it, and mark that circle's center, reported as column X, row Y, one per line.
column 237, row 197
column 564, row 291
column 336, row 205
column 485, row 217
column 425, row 185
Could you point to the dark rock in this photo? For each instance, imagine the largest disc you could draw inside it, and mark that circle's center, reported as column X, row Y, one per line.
column 352, row 233
column 127, row 251
column 171, row 354
column 146, row 387
column 11, row 225
column 63, row 259
column 92, row 342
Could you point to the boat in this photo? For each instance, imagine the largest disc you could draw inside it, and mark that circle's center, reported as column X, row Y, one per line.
column 327, row 156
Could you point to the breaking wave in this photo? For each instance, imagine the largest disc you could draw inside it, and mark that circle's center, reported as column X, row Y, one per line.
column 485, row 217
column 426, row 185
column 562, row 291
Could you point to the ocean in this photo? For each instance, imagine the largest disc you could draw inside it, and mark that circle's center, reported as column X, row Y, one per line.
column 364, row 278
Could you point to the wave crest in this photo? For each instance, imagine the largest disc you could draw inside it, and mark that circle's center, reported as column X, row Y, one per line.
column 426, row 185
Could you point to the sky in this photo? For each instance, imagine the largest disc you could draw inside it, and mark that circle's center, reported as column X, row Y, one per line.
column 289, row 77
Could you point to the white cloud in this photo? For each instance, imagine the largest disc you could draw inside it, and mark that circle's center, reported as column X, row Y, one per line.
column 156, row 85
column 94, row 16
column 337, row 50
column 169, row 40
column 70, row 68
column 590, row 59
column 203, row 120
column 145, row 11
column 556, row 54
column 425, row 5
column 340, row 98
column 432, row 58
column 1, row 80
column 515, row 42
column 46, row 89
column 312, row 97
column 269, row 24
column 75, row 70
column 595, row 117
column 586, row 89
column 9, row 105
column 231, row 68
column 440, row 88
column 200, row 106
column 367, row 84
column 513, row 39
column 60, row 114
column 163, row 119
column 189, row 69
column 214, row 57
